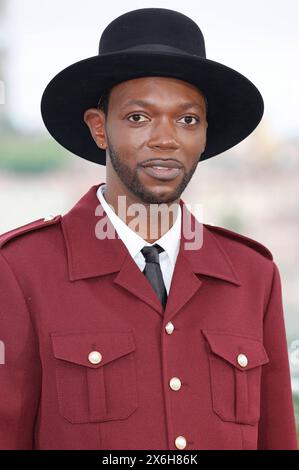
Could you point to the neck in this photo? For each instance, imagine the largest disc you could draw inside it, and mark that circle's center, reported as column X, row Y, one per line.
column 150, row 221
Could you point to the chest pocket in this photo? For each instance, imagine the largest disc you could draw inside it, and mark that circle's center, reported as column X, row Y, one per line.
column 95, row 375
column 235, row 364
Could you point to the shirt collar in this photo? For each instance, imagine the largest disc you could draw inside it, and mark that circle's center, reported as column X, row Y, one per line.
column 170, row 241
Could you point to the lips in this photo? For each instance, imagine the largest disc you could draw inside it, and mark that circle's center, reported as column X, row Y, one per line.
column 163, row 163
column 162, row 169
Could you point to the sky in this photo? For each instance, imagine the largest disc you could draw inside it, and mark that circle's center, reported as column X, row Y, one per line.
column 260, row 39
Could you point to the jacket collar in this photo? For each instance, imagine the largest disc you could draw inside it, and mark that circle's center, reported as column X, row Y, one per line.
column 90, row 257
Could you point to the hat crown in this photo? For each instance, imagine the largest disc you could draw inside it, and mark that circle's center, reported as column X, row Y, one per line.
column 153, row 29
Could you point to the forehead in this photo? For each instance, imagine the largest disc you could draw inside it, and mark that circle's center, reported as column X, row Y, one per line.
column 155, row 88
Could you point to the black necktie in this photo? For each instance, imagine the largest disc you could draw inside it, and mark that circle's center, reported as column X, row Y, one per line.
column 152, row 271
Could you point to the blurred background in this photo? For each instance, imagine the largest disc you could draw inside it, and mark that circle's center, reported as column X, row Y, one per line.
column 252, row 188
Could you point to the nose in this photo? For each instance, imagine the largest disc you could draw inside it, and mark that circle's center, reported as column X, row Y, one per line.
column 163, row 135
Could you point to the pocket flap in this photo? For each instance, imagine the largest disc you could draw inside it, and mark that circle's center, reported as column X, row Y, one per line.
column 76, row 347
column 233, row 348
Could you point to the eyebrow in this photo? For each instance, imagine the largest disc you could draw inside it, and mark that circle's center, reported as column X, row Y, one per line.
column 144, row 104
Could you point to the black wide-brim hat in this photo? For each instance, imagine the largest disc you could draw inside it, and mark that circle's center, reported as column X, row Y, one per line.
column 150, row 42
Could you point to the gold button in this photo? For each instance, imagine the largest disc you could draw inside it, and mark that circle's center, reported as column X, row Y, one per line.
column 95, row 357
column 180, row 442
column 49, row 217
column 242, row 360
column 175, row 383
column 169, row 328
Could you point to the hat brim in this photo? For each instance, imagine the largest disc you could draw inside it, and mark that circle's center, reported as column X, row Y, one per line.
column 235, row 105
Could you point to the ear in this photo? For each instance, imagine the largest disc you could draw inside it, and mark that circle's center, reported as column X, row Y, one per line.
column 95, row 119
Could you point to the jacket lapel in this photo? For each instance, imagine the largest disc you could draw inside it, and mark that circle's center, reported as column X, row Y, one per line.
column 89, row 256
column 208, row 258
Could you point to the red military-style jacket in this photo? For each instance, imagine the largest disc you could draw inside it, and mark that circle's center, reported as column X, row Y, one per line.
column 210, row 372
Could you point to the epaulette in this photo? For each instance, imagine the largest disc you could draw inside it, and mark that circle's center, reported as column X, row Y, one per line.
column 243, row 239
column 34, row 225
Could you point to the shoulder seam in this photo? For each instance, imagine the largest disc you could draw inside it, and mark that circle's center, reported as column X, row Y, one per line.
column 22, row 230
column 250, row 242
column 275, row 268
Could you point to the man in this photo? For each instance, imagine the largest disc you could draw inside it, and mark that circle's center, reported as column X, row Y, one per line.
column 125, row 335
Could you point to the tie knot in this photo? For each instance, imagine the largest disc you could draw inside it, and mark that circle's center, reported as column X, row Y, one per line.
column 151, row 253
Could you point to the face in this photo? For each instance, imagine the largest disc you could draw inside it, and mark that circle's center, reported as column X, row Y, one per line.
column 154, row 134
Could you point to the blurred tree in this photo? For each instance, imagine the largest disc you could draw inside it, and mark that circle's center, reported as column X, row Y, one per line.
column 22, row 153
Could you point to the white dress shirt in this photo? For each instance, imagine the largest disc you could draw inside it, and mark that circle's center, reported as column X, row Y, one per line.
column 170, row 241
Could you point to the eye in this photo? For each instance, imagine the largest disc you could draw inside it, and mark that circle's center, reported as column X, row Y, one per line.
column 134, row 116
column 191, row 117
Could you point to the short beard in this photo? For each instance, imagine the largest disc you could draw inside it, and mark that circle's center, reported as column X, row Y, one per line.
column 131, row 180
